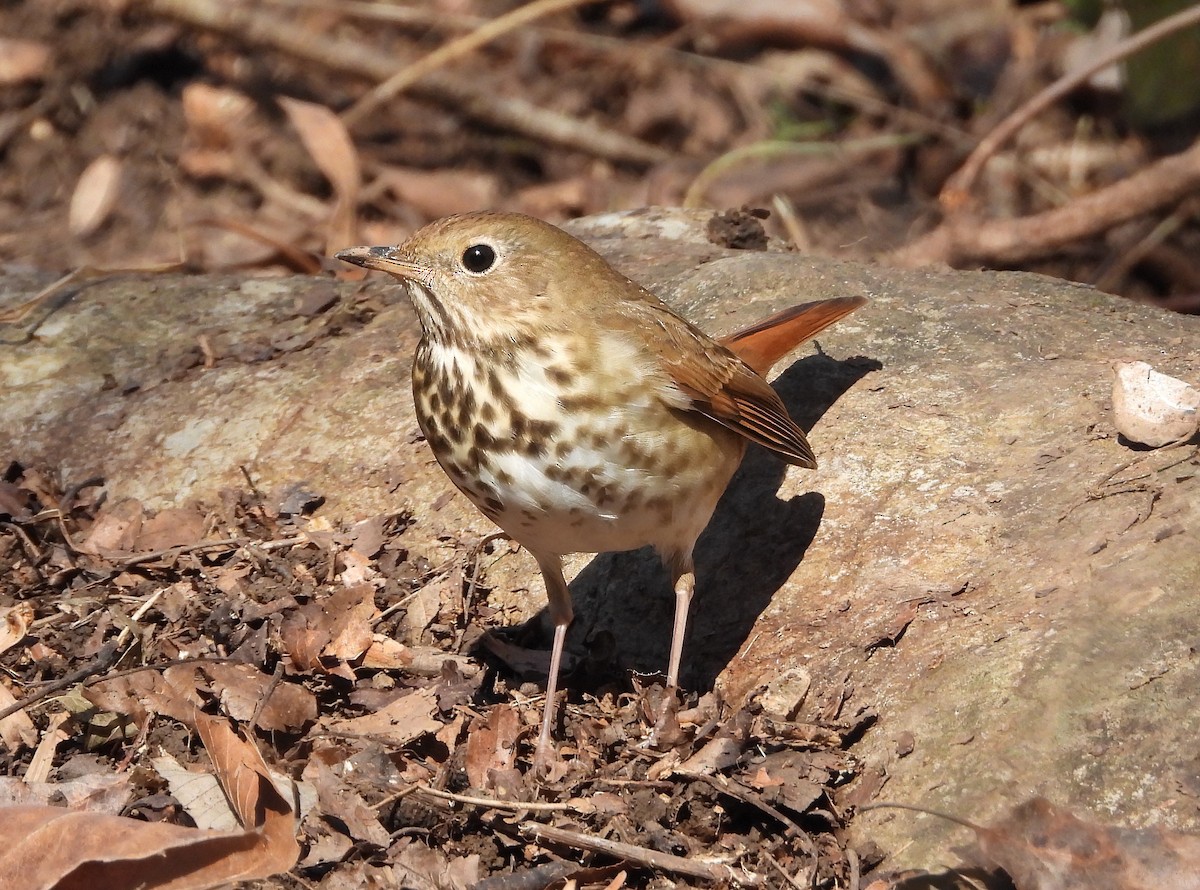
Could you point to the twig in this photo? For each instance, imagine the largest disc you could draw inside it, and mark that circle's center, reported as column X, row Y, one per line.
column 783, row 872
column 221, row 543
column 102, row 661
column 771, row 149
column 515, row 806
column 1134, row 254
column 695, row 868
column 447, row 53
column 267, row 693
column 954, row 193
column 259, row 29
column 965, row 238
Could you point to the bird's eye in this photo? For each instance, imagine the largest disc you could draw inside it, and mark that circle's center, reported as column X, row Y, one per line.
column 478, row 258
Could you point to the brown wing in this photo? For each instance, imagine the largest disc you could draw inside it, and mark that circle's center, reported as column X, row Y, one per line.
column 722, row 387
column 763, row 344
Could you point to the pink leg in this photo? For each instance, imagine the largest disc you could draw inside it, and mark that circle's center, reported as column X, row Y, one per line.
column 685, row 586
column 562, row 615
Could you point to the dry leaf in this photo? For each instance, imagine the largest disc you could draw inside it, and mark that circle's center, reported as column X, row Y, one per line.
column 492, row 746
column 437, row 193
column 95, row 195
column 22, row 60
column 47, row 848
column 408, row 717
column 14, row 624
column 327, row 141
column 16, row 730
column 115, row 529
column 241, row 688
column 171, row 527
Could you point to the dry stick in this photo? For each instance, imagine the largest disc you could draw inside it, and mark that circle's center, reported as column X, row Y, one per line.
column 515, row 806
column 447, row 53
column 1134, row 254
column 259, row 29
column 954, row 193
column 1010, row 241
column 219, row 544
column 772, row 149
column 710, row 871
column 86, row 676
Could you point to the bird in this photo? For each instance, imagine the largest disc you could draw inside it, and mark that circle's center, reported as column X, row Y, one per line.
column 575, row 408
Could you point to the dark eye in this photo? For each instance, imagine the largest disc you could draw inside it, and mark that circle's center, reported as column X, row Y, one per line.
column 478, row 258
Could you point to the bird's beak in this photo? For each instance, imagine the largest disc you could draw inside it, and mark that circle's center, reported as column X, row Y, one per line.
column 384, row 259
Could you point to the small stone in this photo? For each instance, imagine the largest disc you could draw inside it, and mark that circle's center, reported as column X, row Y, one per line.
column 784, row 693
column 1152, row 408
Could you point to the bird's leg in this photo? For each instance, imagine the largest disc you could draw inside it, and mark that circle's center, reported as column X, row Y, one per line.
column 561, row 614
column 683, row 575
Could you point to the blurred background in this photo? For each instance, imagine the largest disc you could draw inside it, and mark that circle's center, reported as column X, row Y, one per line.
column 264, row 135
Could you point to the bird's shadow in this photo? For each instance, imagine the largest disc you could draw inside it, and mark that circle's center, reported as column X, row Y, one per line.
column 623, row 602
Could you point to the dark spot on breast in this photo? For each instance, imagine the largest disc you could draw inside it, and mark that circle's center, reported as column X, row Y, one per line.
column 518, row 424
column 487, row 411
column 562, row 447
column 466, row 408
column 543, row 429
column 493, row 503
column 494, row 386
column 560, row 375
column 483, row 437
column 532, row 446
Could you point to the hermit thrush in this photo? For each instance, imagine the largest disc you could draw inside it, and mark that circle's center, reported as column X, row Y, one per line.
column 574, row 408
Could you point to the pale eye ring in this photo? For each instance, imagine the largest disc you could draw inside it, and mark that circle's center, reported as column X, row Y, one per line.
column 479, row 258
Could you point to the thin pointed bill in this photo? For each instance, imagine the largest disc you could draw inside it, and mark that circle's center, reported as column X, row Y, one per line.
column 384, row 260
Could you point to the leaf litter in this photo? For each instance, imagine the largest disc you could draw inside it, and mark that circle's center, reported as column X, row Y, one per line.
column 243, row 692
column 160, row 653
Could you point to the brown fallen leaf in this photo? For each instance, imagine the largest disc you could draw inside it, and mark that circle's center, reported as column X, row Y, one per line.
column 50, row 848
column 241, row 688
column 328, row 142
column 14, row 624
column 171, row 527
column 115, row 529
column 492, row 747
column 22, row 60
column 16, row 730
column 95, row 195
column 408, row 717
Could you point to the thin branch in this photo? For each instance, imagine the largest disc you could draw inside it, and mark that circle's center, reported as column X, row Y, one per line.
column 964, row 238
column 696, row 868
column 259, row 29
column 447, row 53
column 514, row 806
column 954, row 193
